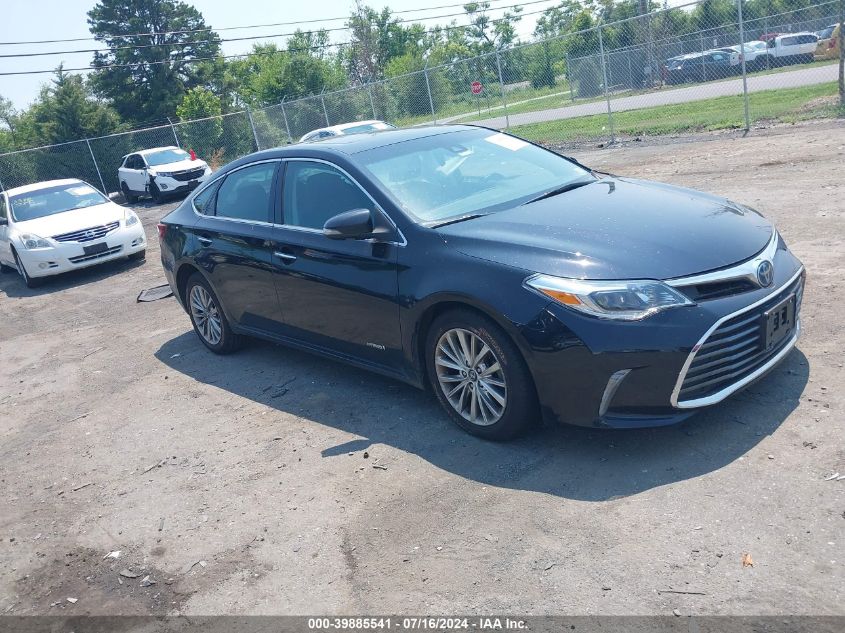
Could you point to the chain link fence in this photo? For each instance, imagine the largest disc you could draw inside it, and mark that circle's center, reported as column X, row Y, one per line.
column 675, row 70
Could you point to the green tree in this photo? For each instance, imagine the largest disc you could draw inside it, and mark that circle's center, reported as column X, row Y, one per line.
column 377, row 38
column 65, row 110
column 205, row 136
column 153, row 46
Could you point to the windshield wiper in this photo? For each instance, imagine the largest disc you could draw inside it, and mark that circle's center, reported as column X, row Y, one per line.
column 559, row 190
column 461, row 218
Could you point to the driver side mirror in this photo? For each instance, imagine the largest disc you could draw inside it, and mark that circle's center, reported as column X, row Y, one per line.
column 356, row 224
column 4, row 221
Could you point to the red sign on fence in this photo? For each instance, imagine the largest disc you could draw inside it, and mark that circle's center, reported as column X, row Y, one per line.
column 476, row 87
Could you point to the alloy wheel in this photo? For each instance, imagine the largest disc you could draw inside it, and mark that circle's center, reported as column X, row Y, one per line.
column 206, row 315
column 471, row 377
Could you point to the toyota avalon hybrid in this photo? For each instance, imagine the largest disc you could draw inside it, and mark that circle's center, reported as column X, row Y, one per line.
column 512, row 281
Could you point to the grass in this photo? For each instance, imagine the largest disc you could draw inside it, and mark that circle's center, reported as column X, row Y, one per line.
column 721, row 113
column 529, row 100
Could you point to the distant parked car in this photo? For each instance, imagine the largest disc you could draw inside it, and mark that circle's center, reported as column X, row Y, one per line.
column 357, row 127
column 828, row 45
column 792, row 48
column 61, row 225
column 159, row 172
column 698, row 67
column 754, row 53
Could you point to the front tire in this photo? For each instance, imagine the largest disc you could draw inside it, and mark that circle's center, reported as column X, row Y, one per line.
column 479, row 376
column 207, row 317
column 155, row 193
column 31, row 282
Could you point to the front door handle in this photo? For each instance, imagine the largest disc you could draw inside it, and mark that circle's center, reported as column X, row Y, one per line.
column 285, row 257
column 205, row 241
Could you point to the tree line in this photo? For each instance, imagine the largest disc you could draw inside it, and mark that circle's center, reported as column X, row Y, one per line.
column 161, row 60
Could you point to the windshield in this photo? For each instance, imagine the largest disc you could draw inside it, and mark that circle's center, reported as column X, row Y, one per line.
column 166, row 156
column 53, row 200
column 826, row 33
column 447, row 176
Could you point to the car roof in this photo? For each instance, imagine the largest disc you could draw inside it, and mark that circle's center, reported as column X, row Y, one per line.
column 152, row 150
column 354, row 143
column 46, row 184
column 798, row 33
column 347, row 145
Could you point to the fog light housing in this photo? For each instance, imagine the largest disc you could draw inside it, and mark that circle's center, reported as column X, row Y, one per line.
column 163, row 186
column 43, row 265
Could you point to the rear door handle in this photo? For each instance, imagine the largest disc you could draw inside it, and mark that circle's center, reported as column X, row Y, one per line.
column 285, row 257
column 205, row 241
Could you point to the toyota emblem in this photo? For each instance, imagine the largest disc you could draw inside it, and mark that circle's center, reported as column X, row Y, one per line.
column 765, row 273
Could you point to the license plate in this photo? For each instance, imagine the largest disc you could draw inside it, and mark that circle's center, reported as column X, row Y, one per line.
column 779, row 321
column 95, row 248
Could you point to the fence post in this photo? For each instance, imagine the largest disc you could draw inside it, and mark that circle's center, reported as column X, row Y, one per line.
column 96, row 166
column 325, row 112
column 430, row 98
column 372, row 103
column 742, row 59
column 252, row 125
column 285, row 117
column 173, row 129
column 502, row 86
column 570, row 77
column 606, row 90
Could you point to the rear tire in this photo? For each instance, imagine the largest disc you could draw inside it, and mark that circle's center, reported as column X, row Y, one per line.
column 479, row 376
column 31, row 282
column 207, row 317
column 128, row 195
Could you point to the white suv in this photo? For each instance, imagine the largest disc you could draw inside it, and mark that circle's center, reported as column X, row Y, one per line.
column 160, row 171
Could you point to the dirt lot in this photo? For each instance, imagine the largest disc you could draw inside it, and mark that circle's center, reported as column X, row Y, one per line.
column 240, row 484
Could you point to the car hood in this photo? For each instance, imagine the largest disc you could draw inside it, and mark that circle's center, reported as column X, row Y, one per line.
column 182, row 165
column 75, row 220
column 616, row 228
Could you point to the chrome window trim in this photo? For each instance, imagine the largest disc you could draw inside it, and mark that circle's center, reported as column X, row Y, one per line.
column 736, row 386
column 744, row 270
column 212, row 181
column 377, row 206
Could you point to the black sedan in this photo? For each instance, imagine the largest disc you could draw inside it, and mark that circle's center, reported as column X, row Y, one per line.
column 512, row 281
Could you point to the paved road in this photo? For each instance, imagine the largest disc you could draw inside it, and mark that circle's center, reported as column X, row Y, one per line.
column 788, row 79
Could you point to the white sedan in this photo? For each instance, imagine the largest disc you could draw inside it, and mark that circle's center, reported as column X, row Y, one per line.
column 358, row 127
column 61, row 225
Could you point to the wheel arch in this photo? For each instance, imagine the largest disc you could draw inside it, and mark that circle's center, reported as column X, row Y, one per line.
column 446, row 304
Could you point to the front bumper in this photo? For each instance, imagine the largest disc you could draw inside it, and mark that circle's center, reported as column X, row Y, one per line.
column 168, row 185
column 597, row 372
column 67, row 256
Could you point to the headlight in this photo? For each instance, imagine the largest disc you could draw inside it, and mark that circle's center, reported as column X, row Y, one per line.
column 628, row 300
column 131, row 218
column 31, row 242
column 166, row 174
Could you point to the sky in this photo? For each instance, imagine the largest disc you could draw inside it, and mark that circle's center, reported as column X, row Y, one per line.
column 27, row 20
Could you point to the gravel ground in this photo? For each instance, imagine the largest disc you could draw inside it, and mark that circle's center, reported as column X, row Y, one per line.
column 246, row 484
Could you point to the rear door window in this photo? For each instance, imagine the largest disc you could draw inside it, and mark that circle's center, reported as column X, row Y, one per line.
column 246, row 194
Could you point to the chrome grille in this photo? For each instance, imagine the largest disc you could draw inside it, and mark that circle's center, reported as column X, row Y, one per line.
column 81, row 259
column 735, row 349
column 87, row 235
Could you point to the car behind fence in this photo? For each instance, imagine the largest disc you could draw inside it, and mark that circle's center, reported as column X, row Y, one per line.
column 563, row 89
